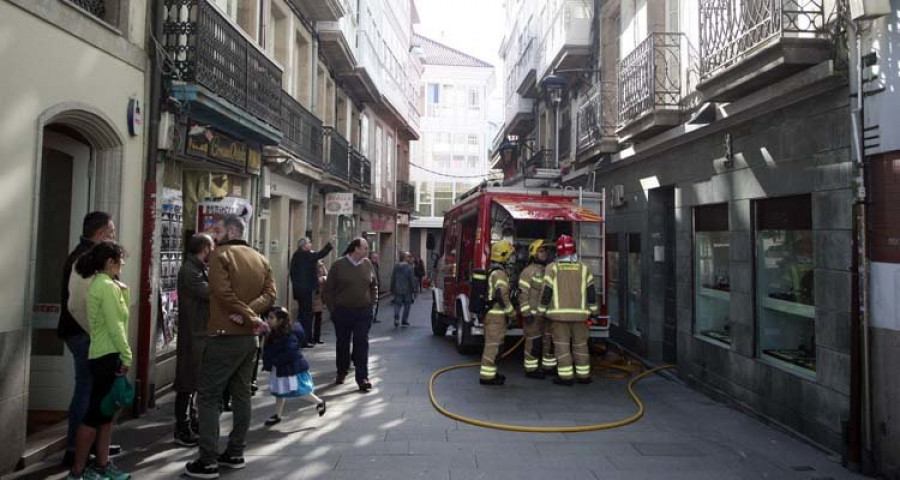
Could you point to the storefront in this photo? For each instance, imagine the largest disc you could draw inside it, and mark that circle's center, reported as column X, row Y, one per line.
column 378, row 225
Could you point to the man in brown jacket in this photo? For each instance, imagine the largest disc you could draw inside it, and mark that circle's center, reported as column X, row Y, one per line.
column 241, row 288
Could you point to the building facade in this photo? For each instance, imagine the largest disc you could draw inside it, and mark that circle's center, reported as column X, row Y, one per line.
column 721, row 133
column 452, row 155
column 68, row 148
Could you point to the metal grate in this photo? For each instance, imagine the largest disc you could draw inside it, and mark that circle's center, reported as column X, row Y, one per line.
column 302, row 130
column 338, row 153
column 96, row 8
column 650, row 77
column 729, row 29
column 597, row 115
column 406, row 194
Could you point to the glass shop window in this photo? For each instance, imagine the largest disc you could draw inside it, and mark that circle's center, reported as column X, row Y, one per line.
column 712, row 290
column 785, row 278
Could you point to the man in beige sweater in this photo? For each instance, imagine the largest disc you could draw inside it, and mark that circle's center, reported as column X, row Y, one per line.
column 351, row 293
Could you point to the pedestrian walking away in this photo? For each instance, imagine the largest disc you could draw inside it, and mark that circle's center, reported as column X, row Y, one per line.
column 74, row 325
column 538, row 358
column 568, row 299
column 289, row 371
column 419, row 268
column 499, row 308
column 351, row 294
column 241, row 288
column 403, row 288
column 109, row 356
column 305, row 279
column 193, row 316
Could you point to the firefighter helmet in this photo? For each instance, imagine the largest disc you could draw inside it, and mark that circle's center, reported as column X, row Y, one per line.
column 501, row 251
column 536, row 247
column 565, row 245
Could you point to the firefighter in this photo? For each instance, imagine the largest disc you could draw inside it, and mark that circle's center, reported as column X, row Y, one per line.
column 538, row 356
column 499, row 308
column 568, row 299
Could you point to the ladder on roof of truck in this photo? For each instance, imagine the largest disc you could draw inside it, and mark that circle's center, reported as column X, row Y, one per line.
column 592, row 241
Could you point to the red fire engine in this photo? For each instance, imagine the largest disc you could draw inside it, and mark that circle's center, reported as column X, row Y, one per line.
column 486, row 214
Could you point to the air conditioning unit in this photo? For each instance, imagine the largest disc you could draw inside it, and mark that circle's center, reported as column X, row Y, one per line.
column 869, row 9
column 617, row 196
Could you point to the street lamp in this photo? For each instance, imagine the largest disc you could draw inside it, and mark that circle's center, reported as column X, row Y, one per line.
column 553, row 87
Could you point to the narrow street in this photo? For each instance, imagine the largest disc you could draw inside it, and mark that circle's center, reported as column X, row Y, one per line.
column 393, row 432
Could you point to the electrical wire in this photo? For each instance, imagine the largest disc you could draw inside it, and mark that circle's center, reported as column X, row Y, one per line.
column 449, row 175
column 544, row 429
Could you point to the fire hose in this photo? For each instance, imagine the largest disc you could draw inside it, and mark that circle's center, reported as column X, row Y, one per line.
column 545, row 429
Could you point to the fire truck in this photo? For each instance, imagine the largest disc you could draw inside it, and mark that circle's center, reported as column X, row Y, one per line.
column 487, row 214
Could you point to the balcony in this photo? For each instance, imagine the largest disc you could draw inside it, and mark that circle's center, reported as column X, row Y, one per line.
column 650, row 83
column 406, row 196
column 566, row 38
column 337, row 42
column 356, row 167
column 746, row 45
column 597, row 120
column 366, row 175
column 525, row 70
column 337, row 154
column 221, row 71
column 321, row 10
column 519, row 119
column 302, row 131
column 541, row 166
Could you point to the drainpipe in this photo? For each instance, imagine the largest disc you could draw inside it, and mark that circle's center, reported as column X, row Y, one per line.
column 144, row 389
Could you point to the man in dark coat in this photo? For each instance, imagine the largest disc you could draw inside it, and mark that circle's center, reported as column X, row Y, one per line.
column 305, row 279
column 193, row 316
column 403, row 288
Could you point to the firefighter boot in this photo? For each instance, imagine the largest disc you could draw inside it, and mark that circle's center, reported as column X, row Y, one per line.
column 566, row 382
column 537, row 375
column 585, row 381
column 497, row 380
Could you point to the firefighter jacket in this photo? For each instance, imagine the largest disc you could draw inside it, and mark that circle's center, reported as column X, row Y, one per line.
column 498, row 294
column 568, row 294
column 531, row 280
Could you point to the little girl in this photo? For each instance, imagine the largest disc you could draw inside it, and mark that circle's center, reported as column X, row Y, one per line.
column 289, row 375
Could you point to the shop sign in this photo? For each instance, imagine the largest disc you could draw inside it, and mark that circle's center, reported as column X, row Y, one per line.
column 339, row 203
column 228, row 150
column 207, row 143
column 402, row 219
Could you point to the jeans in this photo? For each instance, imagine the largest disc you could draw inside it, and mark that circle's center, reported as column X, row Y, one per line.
column 405, row 307
column 227, row 363
column 305, row 314
column 79, row 345
column 352, row 325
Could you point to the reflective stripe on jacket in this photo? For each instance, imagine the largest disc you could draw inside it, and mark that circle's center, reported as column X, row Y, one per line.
column 531, row 280
column 568, row 294
column 498, row 288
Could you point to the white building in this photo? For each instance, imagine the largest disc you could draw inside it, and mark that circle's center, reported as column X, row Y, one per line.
column 452, row 155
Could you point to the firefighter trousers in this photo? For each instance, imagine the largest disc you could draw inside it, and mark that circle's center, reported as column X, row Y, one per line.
column 548, row 358
column 533, row 330
column 494, row 334
column 571, row 342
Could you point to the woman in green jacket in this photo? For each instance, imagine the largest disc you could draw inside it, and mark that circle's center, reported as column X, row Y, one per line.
column 109, row 355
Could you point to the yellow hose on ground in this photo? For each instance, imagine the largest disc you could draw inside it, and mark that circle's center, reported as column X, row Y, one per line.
column 549, row 429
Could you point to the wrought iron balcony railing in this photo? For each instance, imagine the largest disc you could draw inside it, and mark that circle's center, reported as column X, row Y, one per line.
column 207, row 49
column 338, row 153
column 406, row 194
column 366, row 175
column 597, row 115
column 302, row 130
column 650, row 77
column 730, row 29
column 541, row 160
column 96, row 8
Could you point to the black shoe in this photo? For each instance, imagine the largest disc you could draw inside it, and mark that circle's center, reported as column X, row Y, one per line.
column 365, row 385
column 563, row 382
column 537, row 375
column 234, row 463
column 585, row 381
column 321, row 408
column 404, row 324
column 254, row 386
column 68, row 459
column 227, row 407
column 339, row 380
column 186, row 438
column 497, row 380
column 320, row 342
column 199, row 469
column 396, row 322
column 273, row 420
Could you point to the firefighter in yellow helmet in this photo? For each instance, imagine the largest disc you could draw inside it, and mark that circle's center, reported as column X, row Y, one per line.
column 538, row 349
column 499, row 308
column 568, row 299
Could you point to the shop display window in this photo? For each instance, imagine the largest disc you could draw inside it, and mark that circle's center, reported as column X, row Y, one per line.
column 712, row 288
column 785, row 282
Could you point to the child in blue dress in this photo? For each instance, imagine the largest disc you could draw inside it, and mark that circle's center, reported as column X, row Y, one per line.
column 289, row 373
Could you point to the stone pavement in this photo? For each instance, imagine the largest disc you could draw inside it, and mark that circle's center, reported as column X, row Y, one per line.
column 393, row 432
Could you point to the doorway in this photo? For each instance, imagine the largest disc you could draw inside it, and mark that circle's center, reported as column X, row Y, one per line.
column 65, row 197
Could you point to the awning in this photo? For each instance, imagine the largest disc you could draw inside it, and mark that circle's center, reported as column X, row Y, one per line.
column 563, row 209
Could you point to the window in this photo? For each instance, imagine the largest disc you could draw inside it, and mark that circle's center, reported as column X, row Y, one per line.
column 473, row 161
column 441, row 160
column 458, row 161
column 633, row 316
column 105, row 10
column 474, row 99
column 378, row 166
column 443, row 198
column 712, row 290
column 613, row 304
column 434, row 93
column 424, row 197
column 785, row 282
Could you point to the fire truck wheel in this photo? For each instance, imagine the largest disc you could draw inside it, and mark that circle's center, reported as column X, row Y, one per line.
column 438, row 327
column 464, row 342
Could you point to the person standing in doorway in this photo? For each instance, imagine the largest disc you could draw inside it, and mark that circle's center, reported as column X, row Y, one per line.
column 350, row 294
column 75, row 332
column 376, row 264
column 193, row 316
column 318, row 304
column 403, row 288
column 241, row 288
column 305, row 279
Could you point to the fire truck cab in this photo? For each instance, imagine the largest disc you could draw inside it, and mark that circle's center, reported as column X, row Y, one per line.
column 487, row 214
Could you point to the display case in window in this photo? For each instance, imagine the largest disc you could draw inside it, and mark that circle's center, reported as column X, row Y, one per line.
column 712, row 287
column 785, row 275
